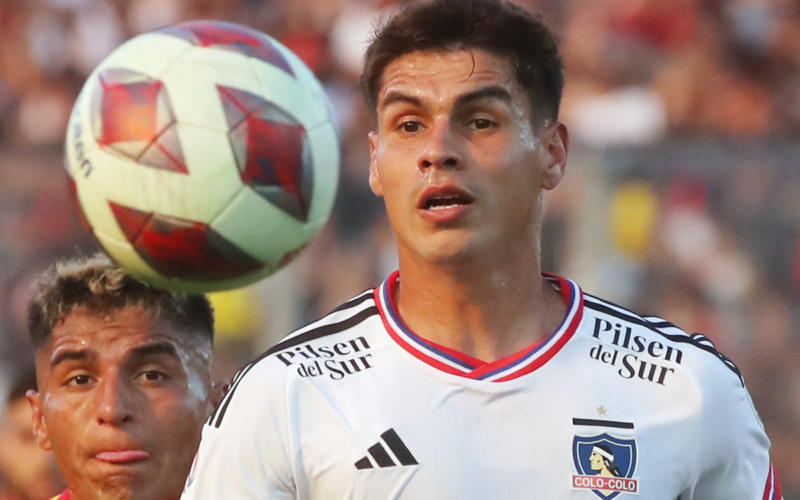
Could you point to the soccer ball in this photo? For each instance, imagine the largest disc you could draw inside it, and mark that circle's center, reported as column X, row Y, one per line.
column 203, row 156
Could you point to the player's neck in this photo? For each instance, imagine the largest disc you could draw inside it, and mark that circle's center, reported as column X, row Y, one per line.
column 488, row 313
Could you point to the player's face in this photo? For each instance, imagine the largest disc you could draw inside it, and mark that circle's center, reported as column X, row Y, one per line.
column 459, row 159
column 122, row 399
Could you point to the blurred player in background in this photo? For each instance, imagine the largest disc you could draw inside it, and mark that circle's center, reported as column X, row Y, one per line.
column 469, row 374
column 26, row 471
column 124, row 380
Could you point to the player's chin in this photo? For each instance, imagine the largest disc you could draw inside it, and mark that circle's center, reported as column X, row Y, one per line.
column 135, row 475
column 141, row 486
column 122, row 483
column 451, row 249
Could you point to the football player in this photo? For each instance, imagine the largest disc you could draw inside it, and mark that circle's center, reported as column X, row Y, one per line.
column 124, row 381
column 469, row 374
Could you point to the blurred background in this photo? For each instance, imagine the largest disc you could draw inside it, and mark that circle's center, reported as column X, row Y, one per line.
column 682, row 195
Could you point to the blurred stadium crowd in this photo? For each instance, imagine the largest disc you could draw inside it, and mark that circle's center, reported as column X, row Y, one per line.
column 682, row 197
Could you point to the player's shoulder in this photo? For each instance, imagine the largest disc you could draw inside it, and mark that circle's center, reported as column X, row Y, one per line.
column 714, row 401
column 344, row 329
column 347, row 331
column 694, row 354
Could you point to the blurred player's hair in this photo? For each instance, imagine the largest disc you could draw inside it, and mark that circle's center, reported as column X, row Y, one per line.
column 99, row 286
column 24, row 380
column 496, row 26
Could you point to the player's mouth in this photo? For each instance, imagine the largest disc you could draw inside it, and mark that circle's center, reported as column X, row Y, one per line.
column 122, row 457
column 442, row 204
column 445, row 203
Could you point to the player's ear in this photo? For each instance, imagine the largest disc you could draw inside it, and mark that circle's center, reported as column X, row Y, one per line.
column 374, row 176
column 556, row 139
column 39, row 425
column 218, row 391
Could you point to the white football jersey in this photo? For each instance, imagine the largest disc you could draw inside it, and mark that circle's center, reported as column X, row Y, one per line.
column 611, row 405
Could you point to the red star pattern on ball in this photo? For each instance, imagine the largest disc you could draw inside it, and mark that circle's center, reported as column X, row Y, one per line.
column 180, row 248
column 136, row 120
column 228, row 36
column 271, row 150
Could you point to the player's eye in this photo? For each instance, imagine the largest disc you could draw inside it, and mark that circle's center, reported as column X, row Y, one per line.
column 153, row 376
column 79, row 380
column 410, row 127
column 482, row 123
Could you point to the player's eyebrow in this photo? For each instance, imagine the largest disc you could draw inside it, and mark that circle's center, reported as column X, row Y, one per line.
column 70, row 354
column 155, row 348
column 395, row 96
column 497, row 92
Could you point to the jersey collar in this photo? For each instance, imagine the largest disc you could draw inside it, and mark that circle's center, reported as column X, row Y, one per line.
column 457, row 363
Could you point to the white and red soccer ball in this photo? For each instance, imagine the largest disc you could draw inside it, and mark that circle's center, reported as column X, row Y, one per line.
column 203, row 156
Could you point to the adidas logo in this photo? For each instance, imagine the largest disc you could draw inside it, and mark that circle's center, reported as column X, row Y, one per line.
column 390, row 451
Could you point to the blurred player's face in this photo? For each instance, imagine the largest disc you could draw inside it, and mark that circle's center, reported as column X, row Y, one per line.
column 122, row 399
column 459, row 158
column 28, row 472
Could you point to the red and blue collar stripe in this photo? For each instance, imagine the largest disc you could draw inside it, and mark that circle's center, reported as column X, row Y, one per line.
column 772, row 490
column 457, row 363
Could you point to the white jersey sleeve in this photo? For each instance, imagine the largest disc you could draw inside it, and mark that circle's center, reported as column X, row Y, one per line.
column 731, row 458
column 243, row 454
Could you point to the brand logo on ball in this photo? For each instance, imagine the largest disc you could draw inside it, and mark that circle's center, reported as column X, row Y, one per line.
column 605, row 464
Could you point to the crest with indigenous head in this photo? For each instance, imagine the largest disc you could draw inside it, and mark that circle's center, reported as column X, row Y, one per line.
column 605, row 463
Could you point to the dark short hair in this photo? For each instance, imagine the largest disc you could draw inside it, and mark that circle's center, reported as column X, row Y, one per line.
column 496, row 26
column 98, row 285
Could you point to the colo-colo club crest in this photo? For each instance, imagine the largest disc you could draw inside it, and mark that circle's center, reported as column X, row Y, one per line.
column 605, row 457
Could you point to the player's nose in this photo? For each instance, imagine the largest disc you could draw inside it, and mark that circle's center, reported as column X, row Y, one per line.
column 441, row 147
column 114, row 401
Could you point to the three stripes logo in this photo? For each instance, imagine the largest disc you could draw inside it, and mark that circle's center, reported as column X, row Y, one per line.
column 390, row 451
